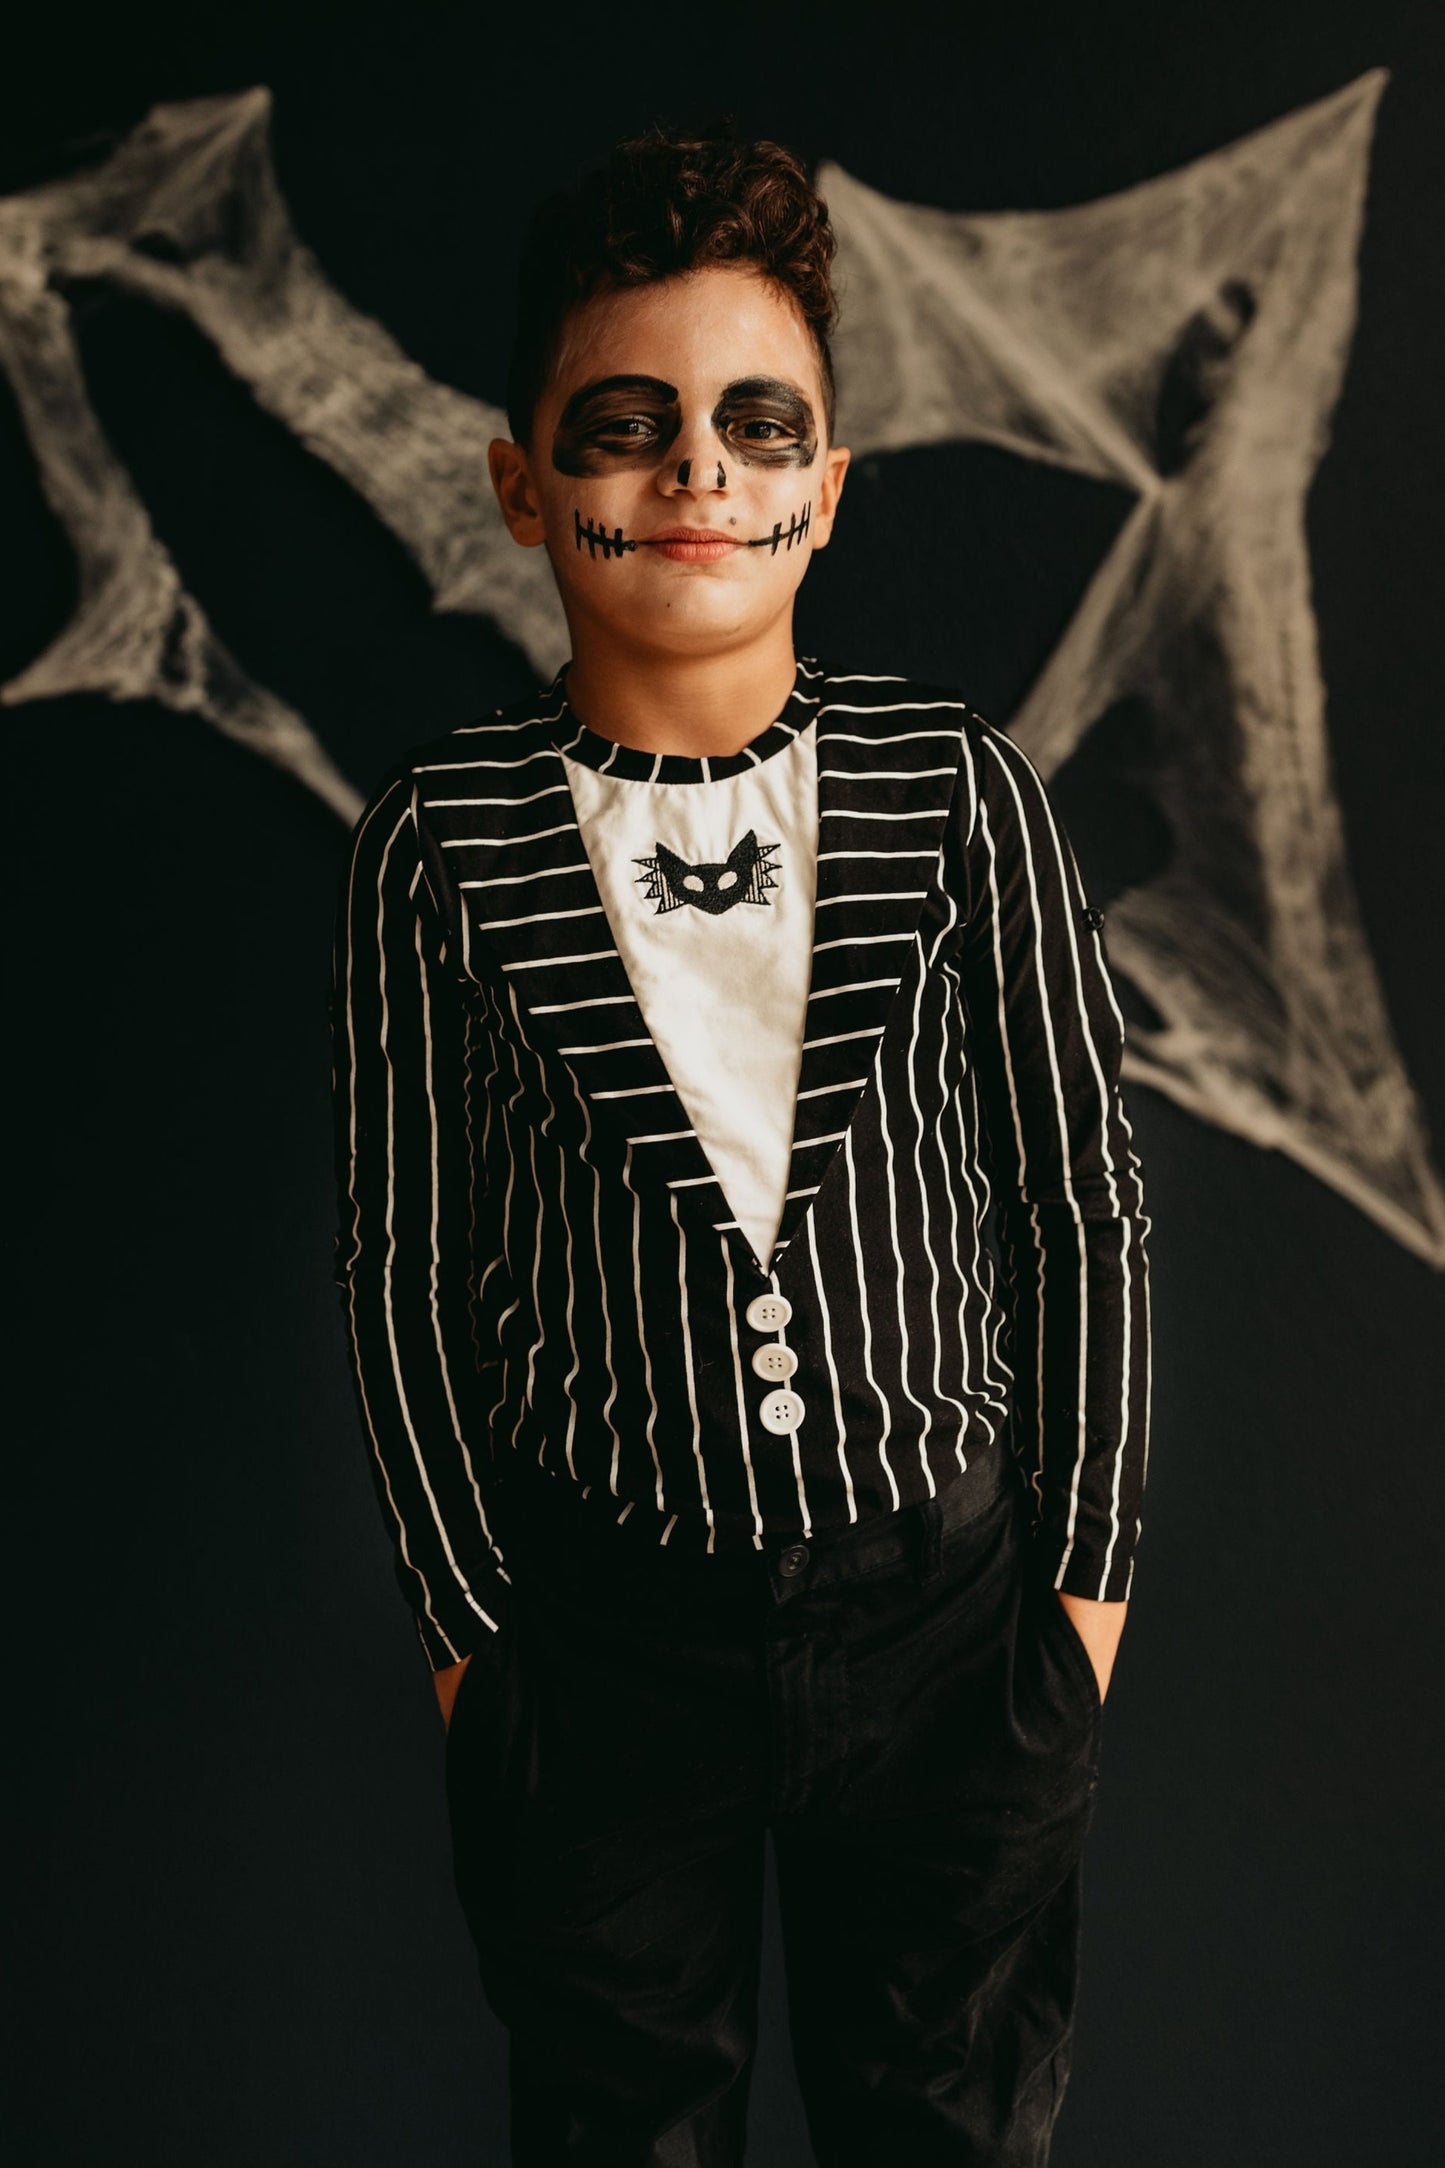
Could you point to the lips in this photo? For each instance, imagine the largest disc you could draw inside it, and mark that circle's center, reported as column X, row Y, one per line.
column 692, row 545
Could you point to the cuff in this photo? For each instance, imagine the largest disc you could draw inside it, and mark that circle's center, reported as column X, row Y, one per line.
column 1098, row 1564
column 439, row 1653
column 470, row 1620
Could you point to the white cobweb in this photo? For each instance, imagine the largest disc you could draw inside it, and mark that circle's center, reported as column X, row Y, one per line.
column 187, row 213
column 1186, row 337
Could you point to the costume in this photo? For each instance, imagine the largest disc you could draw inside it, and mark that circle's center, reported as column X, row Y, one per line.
column 567, row 1347
column 709, row 888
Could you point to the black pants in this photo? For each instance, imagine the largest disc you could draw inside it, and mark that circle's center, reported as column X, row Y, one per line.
column 907, row 1706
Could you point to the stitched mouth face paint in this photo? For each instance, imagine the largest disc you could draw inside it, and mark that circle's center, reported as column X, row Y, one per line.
column 695, row 544
column 611, row 545
column 796, row 528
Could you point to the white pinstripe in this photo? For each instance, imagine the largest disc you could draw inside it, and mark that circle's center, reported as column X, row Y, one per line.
column 388, row 1269
column 915, row 1166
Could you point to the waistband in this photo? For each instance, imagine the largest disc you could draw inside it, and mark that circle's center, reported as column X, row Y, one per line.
column 544, row 1508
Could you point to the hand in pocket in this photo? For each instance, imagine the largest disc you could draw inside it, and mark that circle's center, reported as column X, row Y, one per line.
column 1098, row 1626
column 446, row 1682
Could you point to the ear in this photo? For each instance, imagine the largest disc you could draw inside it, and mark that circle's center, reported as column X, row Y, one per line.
column 830, row 489
column 511, row 473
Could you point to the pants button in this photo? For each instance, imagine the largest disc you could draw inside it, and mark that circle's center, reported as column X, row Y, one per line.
column 793, row 1559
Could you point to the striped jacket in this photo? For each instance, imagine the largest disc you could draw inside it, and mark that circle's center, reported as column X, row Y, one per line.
column 535, row 1255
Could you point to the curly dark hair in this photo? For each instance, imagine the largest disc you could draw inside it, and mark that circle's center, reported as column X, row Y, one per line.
column 663, row 203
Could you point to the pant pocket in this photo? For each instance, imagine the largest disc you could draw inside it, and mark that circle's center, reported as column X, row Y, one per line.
column 482, row 1696
column 1072, row 1662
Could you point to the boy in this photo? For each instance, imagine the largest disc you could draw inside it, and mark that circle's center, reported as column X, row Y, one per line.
column 688, row 1019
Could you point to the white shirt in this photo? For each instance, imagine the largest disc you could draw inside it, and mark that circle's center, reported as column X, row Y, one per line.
column 709, row 886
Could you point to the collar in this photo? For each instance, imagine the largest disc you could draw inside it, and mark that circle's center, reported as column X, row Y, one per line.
column 574, row 738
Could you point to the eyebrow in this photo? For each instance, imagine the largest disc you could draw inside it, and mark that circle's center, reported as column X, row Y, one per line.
column 581, row 400
column 767, row 387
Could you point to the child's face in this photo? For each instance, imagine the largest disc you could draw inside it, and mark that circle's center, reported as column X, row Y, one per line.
column 695, row 402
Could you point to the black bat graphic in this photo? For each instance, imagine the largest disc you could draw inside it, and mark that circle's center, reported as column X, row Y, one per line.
column 744, row 876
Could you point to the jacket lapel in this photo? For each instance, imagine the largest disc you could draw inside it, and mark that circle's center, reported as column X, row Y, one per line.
column 887, row 771
column 508, row 855
column 506, row 850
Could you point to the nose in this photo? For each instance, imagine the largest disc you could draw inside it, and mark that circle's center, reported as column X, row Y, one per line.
column 695, row 463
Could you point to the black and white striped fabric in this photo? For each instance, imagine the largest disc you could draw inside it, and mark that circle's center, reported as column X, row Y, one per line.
column 535, row 1255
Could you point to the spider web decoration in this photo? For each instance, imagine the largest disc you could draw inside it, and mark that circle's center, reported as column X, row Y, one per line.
column 188, row 214
column 1186, row 337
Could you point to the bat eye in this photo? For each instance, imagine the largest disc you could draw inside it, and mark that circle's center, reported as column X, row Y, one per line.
column 727, row 880
column 693, row 880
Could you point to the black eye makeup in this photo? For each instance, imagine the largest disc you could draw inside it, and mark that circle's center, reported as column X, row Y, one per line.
column 621, row 421
column 617, row 421
column 767, row 422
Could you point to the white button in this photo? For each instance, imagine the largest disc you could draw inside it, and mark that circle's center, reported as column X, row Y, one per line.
column 773, row 1360
column 781, row 1412
column 768, row 1313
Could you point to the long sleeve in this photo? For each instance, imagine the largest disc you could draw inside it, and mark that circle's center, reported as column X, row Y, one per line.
column 1048, row 1038
column 403, row 1257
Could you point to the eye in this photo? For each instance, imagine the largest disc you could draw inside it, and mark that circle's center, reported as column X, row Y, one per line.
column 627, row 428
column 761, row 430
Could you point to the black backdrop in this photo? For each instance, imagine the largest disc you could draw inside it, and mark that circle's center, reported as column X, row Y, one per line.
column 240, row 1947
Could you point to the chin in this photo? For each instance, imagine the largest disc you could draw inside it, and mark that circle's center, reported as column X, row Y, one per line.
column 695, row 616
column 694, row 631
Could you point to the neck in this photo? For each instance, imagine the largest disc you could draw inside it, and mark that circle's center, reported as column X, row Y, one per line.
column 705, row 705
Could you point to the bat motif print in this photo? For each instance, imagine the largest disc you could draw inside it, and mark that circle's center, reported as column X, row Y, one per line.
column 744, row 876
